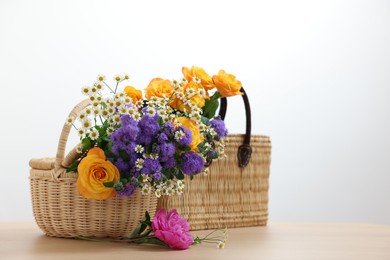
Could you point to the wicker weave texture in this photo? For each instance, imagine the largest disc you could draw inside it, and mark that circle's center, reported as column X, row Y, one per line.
column 230, row 196
column 60, row 211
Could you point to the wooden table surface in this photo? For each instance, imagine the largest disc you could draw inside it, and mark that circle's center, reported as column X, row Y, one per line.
column 23, row 240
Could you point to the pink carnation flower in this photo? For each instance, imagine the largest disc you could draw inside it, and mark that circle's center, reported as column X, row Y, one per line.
column 172, row 228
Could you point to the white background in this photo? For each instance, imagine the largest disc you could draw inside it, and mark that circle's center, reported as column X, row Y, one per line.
column 317, row 74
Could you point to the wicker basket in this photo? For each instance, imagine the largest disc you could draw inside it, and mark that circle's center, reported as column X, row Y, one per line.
column 235, row 194
column 60, row 211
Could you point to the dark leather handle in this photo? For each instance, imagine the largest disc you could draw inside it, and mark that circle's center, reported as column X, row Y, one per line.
column 245, row 150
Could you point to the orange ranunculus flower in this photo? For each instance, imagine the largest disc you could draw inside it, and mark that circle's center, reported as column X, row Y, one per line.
column 205, row 80
column 159, row 87
column 134, row 93
column 190, row 124
column 93, row 171
column 227, row 84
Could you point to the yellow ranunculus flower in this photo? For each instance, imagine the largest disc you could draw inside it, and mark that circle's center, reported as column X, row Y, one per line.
column 206, row 81
column 134, row 93
column 93, row 171
column 159, row 87
column 190, row 124
column 227, row 84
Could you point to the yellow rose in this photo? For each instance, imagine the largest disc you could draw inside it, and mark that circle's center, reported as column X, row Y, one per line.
column 94, row 170
column 159, row 87
column 190, row 124
column 227, row 84
column 134, row 93
column 205, row 80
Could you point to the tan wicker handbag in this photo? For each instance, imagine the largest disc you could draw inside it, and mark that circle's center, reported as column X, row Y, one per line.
column 235, row 194
column 60, row 211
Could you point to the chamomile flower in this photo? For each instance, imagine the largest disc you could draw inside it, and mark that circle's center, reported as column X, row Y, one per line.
column 86, row 91
column 179, row 191
column 123, row 110
column 131, row 111
column 126, row 77
column 139, row 164
column 139, row 149
column 151, row 111
column 96, row 111
column 153, row 156
column 101, row 78
column 196, row 80
column 127, row 100
column 146, row 189
column 104, row 112
column 79, row 148
column 158, row 193
column 99, row 86
column 69, row 120
column 118, row 78
column 221, row 244
column 179, row 135
column 116, row 119
column 145, row 178
column 88, row 111
column 110, row 110
column 169, row 191
column 201, row 92
column 206, row 171
column 86, row 124
column 137, row 116
column 94, row 90
column 110, row 130
column 81, row 132
column 94, row 134
column 139, row 103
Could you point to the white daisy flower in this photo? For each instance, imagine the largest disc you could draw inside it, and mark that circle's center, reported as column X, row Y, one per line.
column 118, row 78
column 99, row 86
column 126, row 77
column 81, row 132
column 69, row 120
column 151, row 111
column 96, row 111
column 127, row 100
column 137, row 116
column 221, row 245
column 123, row 109
column 206, row 171
column 153, row 156
column 139, row 149
column 146, row 189
column 110, row 130
column 179, row 191
column 94, row 90
column 179, row 135
column 86, row 91
column 79, row 148
column 139, row 103
column 169, row 191
column 139, row 164
column 86, row 124
column 117, row 119
column 88, row 111
column 104, row 112
column 94, row 134
column 196, row 80
column 145, row 178
column 131, row 111
column 201, row 92
column 82, row 116
column 101, row 77
column 158, row 193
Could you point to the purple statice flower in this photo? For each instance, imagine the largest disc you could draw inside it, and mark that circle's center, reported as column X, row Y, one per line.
column 148, row 126
column 192, row 163
column 170, row 163
column 127, row 191
column 219, row 126
column 165, row 151
column 151, row 166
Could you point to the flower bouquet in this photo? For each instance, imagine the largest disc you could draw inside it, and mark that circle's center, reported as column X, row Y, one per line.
column 135, row 146
column 150, row 142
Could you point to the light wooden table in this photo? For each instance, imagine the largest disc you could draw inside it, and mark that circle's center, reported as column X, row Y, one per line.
column 276, row 241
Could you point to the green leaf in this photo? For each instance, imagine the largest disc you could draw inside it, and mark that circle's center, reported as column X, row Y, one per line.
column 73, row 167
column 109, row 184
column 205, row 120
column 180, row 176
column 153, row 240
column 210, row 108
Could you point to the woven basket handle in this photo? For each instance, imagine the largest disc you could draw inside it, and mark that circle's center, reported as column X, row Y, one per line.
column 61, row 160
column 245, row 150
